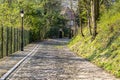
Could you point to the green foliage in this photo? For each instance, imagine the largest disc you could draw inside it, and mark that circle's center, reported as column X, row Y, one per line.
column 40, row 16
column 105, row 49
column 58, row 22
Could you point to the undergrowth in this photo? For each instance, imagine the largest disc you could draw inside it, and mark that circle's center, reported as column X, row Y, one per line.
column 104, row 51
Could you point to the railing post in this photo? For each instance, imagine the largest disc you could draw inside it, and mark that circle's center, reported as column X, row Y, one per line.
column 11, row 41
column 17, row 40
column 7, row 38
column 2, row 42
column 14, row 41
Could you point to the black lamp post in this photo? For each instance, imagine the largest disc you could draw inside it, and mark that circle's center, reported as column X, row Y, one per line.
column 22, row 44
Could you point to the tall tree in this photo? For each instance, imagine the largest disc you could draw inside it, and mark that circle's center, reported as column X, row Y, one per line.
column 88, row 10
column 80, row 16
column 94, row 15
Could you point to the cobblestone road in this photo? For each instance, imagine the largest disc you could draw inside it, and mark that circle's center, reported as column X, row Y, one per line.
column 54, row 61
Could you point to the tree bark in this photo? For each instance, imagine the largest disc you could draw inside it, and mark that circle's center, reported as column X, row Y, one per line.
column 80, row 19
column 89, row 25
column 93, row 16
column 81, row 29
column 97, row 5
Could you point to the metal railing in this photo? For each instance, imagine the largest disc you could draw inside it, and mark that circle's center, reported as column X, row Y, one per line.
column 10, row 40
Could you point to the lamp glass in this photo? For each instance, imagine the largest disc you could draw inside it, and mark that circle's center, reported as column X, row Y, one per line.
column 22, row 14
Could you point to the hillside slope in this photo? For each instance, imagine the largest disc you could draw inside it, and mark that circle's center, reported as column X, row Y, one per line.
column 104, row 51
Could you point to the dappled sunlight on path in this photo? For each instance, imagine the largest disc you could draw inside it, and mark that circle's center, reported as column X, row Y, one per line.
column 58, row 63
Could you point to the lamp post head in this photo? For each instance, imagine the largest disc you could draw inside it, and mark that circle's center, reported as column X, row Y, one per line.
column 22, row 13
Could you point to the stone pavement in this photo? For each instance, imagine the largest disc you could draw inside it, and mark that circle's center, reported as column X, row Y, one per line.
column 8, row 62
column 54, row 61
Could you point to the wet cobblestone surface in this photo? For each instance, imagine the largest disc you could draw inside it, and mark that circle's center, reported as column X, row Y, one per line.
column 54, row 61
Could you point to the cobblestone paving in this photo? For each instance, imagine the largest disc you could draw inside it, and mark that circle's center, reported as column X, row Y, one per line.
column 54, row 61
column 8, row 62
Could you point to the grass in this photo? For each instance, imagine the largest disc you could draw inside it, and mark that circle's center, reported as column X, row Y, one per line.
column 104, row 51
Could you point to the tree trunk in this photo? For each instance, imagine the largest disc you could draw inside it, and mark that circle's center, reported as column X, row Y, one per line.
column 80, row 18
column 89, row 25
column 93, row 16
column 76, row 29
column 97, row 9
column 81, row 29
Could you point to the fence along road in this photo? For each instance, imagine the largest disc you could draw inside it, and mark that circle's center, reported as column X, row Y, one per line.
column 10, row 40
column 52, row 60
column 5, row 76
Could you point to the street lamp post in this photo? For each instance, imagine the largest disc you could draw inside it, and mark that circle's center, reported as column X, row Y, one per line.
column 22, row 44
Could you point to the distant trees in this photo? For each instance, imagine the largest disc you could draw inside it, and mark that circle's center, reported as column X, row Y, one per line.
column 91, row 10
column 40, row 15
